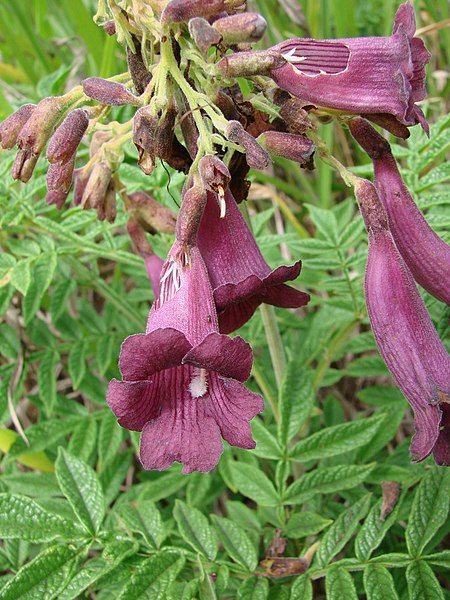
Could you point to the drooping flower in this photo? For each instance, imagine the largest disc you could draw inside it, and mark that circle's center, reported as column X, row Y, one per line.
column 425, row 253
column 239, row 275
column 376, row 75
column 405, row 334
column 182, row 379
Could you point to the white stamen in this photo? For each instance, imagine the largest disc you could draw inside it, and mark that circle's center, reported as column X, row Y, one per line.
column 292, row 58
column 199, row 384
column 222, row 203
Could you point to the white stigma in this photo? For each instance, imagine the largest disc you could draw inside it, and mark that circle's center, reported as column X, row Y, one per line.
column 222, row 203
column 292, row 58
column 199, row 384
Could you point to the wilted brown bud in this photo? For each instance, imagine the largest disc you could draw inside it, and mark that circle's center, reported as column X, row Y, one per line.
column 239, row 184
column 67, row 137
column 295, row 116
column 295, row 147
column 203, row 34
column 374, row 144
column 248, row 64
column 109, row 27
column 24, row 164
column 107, row 209
column 227, row 106
column 181, row 11
column 108, row 92
column 97, row 185
column 80, row 178
column 214, row 174
column 236, row 29
column 98, row 139
column 59, row 182
column 256, row 156
column 11, row 127
column 145, row 124
column 189, row 217
column 138, row 71
column 150, row 214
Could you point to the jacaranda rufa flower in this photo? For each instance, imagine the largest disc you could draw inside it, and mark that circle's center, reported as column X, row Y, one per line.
column 59, row 182
column 360, row 75
column 405, row 335
column 107, row 92
column 295, row 147
column 244, row 27
column 11, row 127
column 67, row 137
column 239, row 275
column 425, row 253
column 182, row 379
column 178, row 11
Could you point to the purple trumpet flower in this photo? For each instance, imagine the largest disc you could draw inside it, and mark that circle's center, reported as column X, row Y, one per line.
column 425, row 253
column 380, row 75
column 182, row 379
column 405, row 335
column 239, row 275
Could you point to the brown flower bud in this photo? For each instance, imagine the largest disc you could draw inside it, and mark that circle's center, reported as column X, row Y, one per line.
column 239, row 184
column 108, row 92
column 80, row 178
column 295, row 147
column 203, row 34
column 245, row 27
column 107, row 209
column 67, row 137
column 227, row 105
column 59, row 182
column 375, row 145
column 256, row 156
column 97, row 185
column 215, row 178
column 98, row 139
column 150, row 214
column 145, row 124
column 248, row 64
column 295, row 116
column 24, row 164
column 138, row 71
column 181, row 11
column 11, row 127
column 189, row 217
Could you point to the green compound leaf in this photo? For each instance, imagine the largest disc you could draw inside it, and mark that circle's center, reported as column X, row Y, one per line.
column 373, row 531
column 254, row 484
column 342, row 530
column 422, row 582
column 378, row 583
column 80, row 485
column 429, row 510
column 302, row 589
column 236, row 542
column 44, row 576
column 339, row 585
column 195, row 529
column 22, row 518
column 337, row 440
column 296, row 401
column 326, row 480
column 144, row 518
column 152, row 578
column 255, row 588
column 305, row 523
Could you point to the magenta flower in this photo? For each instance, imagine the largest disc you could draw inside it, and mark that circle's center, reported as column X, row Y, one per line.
column 405, row 335
column 425, row 253
column 239, row 275
column 182, row 378
column 379, row 75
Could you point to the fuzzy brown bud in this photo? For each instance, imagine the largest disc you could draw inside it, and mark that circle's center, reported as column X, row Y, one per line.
column 138, row 71
column 249, row 64
column 145, row 124
column 80, row 178
column 108, row 92
column 150, row 214
column 107, row 209
column 372, row 142
column 11, row 127
column 245, row 27
column 23, row 166
column 298, row 148
column 256, row 156
column 181, row 11
column 97, row 185
column 203, row 34
column 295, row 116
column 67, row 137
column 189, row 217
column 59, row 182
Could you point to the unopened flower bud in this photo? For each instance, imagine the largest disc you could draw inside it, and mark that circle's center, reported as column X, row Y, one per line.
column 67, row 137
column 150, row 214
column 215, row 178
column 80, row 178
column 108, row 92
column 24, row 164
column 370, row 206
column 109, row 28
column 375, row 145
column 298, row 148
column 59, row 182
column 189, row 217
column 98, row 139
column 181, row 11
column 295, row 116
column 227, row 106
column 203, row 34
column 97, row 185
column 145, row 124
column 107, row 209
column 136, row 66
column 256, row 156
column 248, row 64
column 11, row 127
column 245, row 27
column 390, row 123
